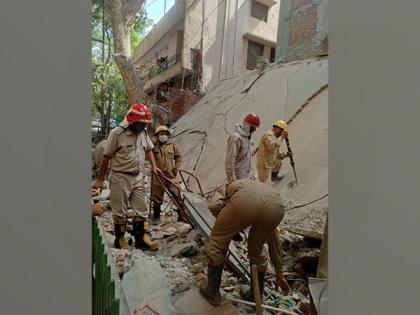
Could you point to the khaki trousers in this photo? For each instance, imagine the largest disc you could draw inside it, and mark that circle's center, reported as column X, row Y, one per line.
column 262, row 214
column 125, row 189
column 158, row 191
column 264, row 173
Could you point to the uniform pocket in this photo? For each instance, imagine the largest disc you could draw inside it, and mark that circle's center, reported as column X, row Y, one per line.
column 171, row 150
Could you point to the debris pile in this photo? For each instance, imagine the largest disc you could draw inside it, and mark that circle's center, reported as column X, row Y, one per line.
column 183, row 261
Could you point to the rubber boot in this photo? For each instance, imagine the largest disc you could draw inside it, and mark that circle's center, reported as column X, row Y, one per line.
column 210, row 289
column 120, row 243
column 156, row 213
column 248, row 295
column 141, row 240
column 275, row 177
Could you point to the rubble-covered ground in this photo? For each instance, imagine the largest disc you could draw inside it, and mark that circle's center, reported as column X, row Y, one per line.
column 183, row 261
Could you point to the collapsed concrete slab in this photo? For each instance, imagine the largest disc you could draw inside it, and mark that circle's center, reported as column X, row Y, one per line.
column 309, row 142
column 278, row 92
column 145, row 285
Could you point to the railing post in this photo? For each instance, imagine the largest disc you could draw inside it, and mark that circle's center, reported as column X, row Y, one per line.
column 103, row 285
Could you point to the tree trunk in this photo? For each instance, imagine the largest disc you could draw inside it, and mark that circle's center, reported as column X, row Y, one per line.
column 123, row 14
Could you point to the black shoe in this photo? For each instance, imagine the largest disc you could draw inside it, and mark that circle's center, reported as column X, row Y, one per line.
column 275, row 177
column 119, row 231
column 141, row 240
column 210, row 289
column 249, row 294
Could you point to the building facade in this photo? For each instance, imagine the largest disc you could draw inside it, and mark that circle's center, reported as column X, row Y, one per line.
column 198, row 43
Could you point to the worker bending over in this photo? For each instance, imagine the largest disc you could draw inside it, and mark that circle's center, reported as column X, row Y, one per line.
column 269, row 158
column 238, row 205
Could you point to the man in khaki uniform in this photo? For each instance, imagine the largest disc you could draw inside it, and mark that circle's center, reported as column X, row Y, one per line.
column 240, row 204
column 269, row 158
column 126, row 149
column 168, row 160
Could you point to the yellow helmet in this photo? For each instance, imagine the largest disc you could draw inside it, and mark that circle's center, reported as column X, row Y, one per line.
column 281, row 124
column 162, row 128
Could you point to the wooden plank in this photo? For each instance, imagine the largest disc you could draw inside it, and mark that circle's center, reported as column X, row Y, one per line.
column 256, row 286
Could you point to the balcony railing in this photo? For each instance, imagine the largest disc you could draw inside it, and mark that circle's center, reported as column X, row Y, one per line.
column 103, row 285
column 163, row 64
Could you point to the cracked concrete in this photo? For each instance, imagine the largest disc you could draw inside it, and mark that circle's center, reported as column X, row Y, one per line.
column 280, row 93
column 223, row 107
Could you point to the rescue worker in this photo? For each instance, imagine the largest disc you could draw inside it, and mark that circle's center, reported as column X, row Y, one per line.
column 126, row 149
column 237, row 205
column 168, row 159
column 238, row 152
column 269, row 158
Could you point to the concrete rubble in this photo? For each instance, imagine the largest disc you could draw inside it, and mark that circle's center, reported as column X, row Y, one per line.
column 145, row 284
column 174, row 272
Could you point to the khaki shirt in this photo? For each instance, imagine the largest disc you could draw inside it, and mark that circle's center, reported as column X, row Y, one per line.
column 268, row 150
column 167, row 157
column 127, row 150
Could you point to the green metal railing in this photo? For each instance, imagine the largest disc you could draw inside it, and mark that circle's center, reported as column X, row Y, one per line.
column 104, row 301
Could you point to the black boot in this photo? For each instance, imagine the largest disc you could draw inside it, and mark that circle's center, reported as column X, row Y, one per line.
column 275, row 177
column 141, row 240
column 156, row 212
column 249, row 294
column 210, row 289
column 119, row 231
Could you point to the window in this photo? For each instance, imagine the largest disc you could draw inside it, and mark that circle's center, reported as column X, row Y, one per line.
column 272, row 54
column 254, row 51
column 259, row 11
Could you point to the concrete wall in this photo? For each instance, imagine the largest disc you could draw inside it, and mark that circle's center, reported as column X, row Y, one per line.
column 303, row 29
column 192, row 32
column 175, row 43
column 265, row 31
column 158, row 38
column 227, row 28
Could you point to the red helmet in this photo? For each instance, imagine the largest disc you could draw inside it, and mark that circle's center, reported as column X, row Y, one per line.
column 252, row 119
column 139, row 112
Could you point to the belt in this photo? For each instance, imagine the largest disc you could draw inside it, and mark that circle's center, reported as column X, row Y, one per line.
column 128, row 173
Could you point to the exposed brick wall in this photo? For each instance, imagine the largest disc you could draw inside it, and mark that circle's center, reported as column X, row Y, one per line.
column 304, row 41
column 178, row 104
column 300, row 3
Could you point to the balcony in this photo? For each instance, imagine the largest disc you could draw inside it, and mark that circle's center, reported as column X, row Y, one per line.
column 165, row 69
column 260, row 31
column 267, row 3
